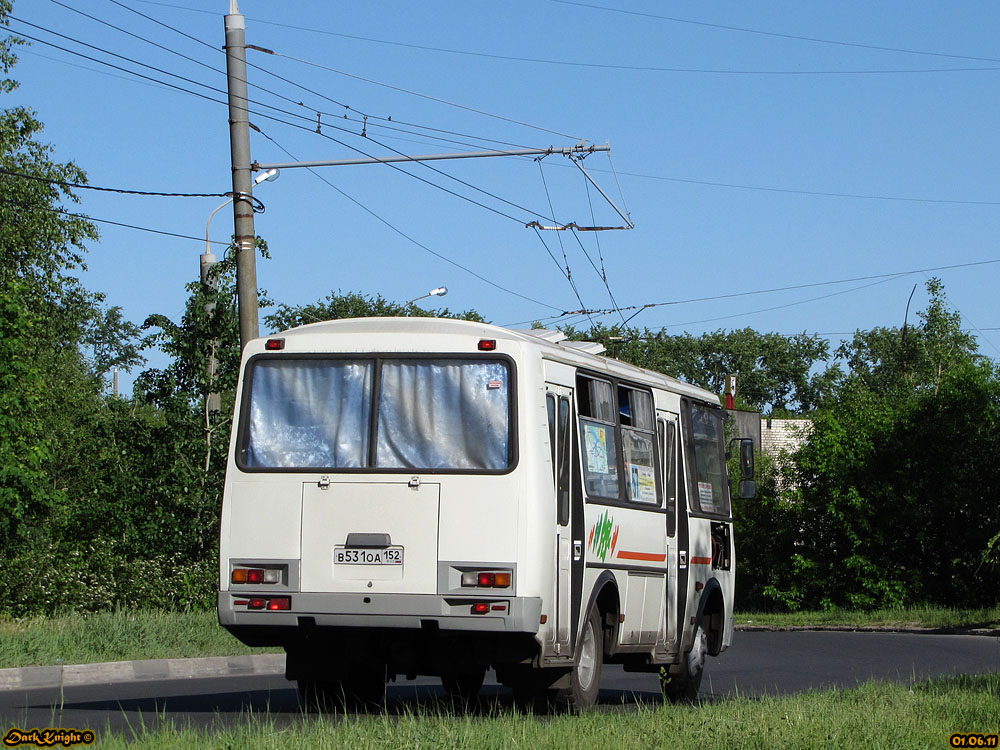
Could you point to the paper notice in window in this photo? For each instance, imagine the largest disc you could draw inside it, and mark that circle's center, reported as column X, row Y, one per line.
column 643, row 483
column 706, row 497
column 596, row 443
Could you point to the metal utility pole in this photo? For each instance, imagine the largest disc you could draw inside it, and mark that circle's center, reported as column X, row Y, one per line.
column 239, row 141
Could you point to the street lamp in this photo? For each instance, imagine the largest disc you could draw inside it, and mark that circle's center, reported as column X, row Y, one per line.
column 439, row 292
column 208, row 258
column 207, row 261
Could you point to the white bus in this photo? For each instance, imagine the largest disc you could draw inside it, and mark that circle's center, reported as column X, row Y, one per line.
column 421, row 496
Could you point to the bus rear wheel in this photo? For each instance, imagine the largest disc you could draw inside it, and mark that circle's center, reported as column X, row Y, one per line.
column 462, row 686
column 324, row 696
column 585, row 677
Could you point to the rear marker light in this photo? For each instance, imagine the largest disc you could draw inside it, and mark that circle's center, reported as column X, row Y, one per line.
column 255, row 575
column 274, row 345
column 257, row 603
column 487, row 345
column 487, row 579
column 279, row 603
column 480, row 608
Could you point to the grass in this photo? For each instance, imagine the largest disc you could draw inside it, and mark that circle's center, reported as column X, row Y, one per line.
column 876, row 715
column 913, row 617
column 114, row 636
column 121, row 636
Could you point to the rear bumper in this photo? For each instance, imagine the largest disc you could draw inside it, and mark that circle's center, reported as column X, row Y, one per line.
column 403, row 611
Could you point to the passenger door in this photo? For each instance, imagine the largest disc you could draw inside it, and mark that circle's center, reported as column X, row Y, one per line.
column 668, row 437
column 559, row 406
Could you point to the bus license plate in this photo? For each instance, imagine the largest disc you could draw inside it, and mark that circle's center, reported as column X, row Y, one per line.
column 368, row 556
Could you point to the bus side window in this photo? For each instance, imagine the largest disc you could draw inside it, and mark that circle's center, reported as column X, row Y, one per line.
column 637, row 437
column 562, row 474
column 550, row 407
column 598, row 430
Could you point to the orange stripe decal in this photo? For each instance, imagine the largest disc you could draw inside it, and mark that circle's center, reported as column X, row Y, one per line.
column 701, row 560
column 645, row 556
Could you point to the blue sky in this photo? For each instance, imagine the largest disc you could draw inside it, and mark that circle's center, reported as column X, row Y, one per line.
column 756, row 146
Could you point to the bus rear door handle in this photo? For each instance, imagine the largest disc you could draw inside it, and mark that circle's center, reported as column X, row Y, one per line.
column 577, row 549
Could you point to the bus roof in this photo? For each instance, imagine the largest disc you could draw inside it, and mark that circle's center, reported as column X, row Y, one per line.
column 552, row 344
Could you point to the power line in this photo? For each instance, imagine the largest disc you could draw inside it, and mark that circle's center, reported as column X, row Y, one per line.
column 107, row 221
column 406, row 236
column 782, row 307
column 714, row 298
column 568, row 273
column 422, row 96
column 301, row 127
column 623, row 67
column 650, row 68
column 170, row 50
column 603, row 273
column 780, row 35
column 631, row 174
column 366, row 80
column 82, row 186
column 811, row 192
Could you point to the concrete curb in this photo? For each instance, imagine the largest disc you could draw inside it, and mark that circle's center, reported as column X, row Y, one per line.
column 27, row 678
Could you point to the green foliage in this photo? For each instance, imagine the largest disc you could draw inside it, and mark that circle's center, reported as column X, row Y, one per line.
column 898, row 482
column 775, row 373
column 354, row 305
column 896, row 363
column 766, row 540
column 45, row 383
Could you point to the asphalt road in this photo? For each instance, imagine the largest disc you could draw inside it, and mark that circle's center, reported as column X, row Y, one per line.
column 760, row 663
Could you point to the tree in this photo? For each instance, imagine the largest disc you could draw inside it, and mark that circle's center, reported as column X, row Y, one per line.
column 51, row 409
column 775, row 373
column 890, row 361
column 354, row 305
column 898, row 482
column 43, row 316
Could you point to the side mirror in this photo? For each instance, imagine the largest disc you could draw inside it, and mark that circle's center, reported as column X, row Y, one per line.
column 747, row 489
column 746, row 456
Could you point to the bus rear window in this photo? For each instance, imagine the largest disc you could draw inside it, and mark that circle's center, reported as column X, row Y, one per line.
column 443, row 414
column 309, row 413
column 430, row 414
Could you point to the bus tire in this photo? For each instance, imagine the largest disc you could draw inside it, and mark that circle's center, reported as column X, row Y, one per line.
column 462, row 686
column 320, row 695
column 683, row 688
column 367, row 685
column 585, row 677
